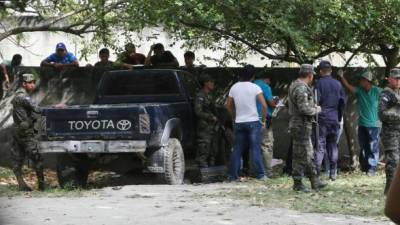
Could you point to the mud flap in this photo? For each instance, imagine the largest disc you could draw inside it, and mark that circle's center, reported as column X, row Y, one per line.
column 155, row 162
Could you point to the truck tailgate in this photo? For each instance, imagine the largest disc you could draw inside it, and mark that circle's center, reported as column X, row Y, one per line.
column 97, row 122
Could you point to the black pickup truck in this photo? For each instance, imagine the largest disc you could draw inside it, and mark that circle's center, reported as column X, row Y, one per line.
column 143, row 115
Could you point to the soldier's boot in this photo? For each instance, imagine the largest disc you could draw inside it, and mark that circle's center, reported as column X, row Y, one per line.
column 299, row 186
column 316, row 183
column 40, row 177
column 212, row 161
column 202, row 155
column 333, row 175
column 22, row 186
column 203, row 163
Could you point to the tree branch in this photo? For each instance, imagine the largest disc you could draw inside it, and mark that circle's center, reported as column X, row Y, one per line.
column 284, row 57
column 53, row 25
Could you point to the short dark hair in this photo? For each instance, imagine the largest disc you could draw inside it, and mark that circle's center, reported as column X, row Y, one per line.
column 16, row 60
column 204, row 78
column 189, row 54
column 104, row 51
column 264, row 75
column 129, row 45
column 158, row 46
column 247, row 73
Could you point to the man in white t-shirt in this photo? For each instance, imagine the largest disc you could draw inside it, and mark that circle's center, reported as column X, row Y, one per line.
column 242, row 105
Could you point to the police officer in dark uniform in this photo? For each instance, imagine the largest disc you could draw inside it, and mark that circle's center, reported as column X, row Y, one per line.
column 206, row 121
column 25, row 143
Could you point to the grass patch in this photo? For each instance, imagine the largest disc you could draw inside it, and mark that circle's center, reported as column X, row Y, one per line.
column 5, row 173
column 9, row 187
column 350, row 194
column 51, row 192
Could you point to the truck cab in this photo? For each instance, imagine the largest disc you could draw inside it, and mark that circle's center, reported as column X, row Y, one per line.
column 143, row 114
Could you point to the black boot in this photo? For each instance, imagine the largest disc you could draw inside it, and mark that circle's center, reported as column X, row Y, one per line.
column 316, row 183
column 299, row 186
column 40, row 177
column 22, row 186
column 333, row 174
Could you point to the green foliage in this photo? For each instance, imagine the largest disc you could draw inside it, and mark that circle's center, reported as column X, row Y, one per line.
column 287, row 30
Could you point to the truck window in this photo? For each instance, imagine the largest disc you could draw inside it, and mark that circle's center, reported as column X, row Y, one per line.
column 140, row 84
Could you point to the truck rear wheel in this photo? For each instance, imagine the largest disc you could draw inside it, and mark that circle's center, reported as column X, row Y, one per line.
column 72, row 171
column 174, row 163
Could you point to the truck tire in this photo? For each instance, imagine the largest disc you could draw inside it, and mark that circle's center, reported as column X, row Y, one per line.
column 174, row 163
column 72, row 171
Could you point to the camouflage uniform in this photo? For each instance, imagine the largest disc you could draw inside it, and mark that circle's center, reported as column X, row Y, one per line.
column 267, row 144
column 389, row 113
column 24, row 141
column 206, row 121
column 302, row 109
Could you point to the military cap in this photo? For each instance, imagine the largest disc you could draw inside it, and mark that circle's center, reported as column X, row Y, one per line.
column 28, row 77
column 367, row 75
column 307, row 68
column 395, row 73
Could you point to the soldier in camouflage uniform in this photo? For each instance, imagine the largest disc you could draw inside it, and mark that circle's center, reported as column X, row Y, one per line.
column 389, row 113
column 206, row 121
column 25, row 143
column 302, row 109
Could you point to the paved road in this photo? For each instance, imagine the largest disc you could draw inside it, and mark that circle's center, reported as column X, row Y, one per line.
column 156, row 204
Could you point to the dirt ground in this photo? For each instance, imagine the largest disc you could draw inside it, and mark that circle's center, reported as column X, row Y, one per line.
column 157, row 204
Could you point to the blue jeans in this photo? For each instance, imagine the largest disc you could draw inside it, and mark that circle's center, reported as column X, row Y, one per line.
column 368, row 138
column 246, row 134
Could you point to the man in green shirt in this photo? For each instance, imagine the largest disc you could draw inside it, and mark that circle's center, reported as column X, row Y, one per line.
column 367, row 96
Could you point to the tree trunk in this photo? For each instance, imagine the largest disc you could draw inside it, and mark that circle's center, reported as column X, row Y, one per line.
column 391, row 58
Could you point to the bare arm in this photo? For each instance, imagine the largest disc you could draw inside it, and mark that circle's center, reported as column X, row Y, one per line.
column 59, row 65
column 261, row 100
column 230, row 106
column 73, row 64
column 173, row 63
column 392, row 208
column 6, row 78
column 127, row 66
column 272, row 104
column 44, row 63
column 346, row 84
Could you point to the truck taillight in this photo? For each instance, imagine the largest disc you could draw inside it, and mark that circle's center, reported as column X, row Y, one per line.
column 144, row 123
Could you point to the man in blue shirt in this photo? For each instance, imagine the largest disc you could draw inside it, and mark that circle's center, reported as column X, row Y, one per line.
column 267, row 139
column 61, row 58
column 331, row 98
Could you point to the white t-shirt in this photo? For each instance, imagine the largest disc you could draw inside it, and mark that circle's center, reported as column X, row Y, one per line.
column 244, row 95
